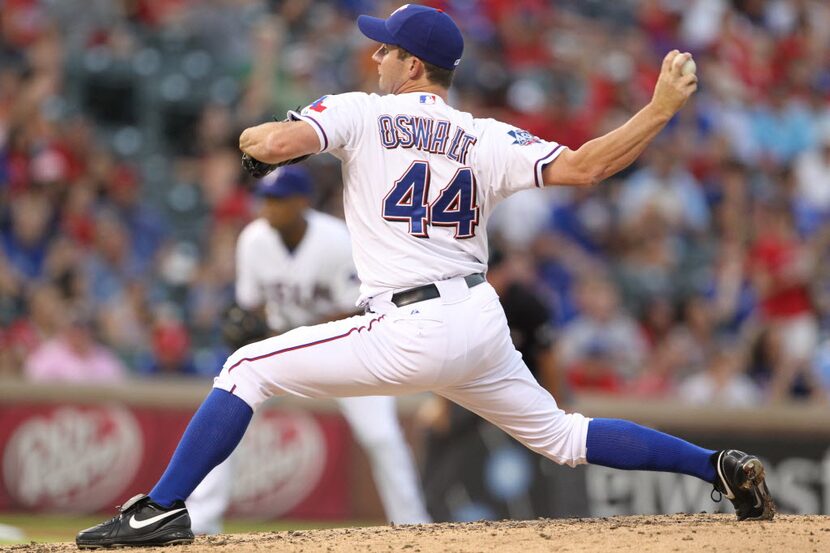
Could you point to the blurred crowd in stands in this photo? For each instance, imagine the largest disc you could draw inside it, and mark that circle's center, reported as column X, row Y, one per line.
column 701, row 273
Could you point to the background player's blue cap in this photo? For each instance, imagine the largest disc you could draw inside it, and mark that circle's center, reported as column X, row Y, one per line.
column 285, row 182
column 427, row 33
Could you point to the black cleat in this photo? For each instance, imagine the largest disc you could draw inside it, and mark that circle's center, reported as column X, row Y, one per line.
column 140, row 523
column 740, row 477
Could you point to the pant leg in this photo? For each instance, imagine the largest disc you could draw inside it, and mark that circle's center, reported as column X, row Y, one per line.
column 374, row 354
column 494, row 382
column 374, row 423
column 517, row 404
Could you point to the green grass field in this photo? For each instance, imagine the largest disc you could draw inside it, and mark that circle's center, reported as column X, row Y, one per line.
column 59, row 528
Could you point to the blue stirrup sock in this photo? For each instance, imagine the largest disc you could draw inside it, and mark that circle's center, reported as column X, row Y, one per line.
column 213, row 433
column 622, row 444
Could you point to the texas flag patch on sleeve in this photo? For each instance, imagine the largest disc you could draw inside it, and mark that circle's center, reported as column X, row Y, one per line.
column 317, row 105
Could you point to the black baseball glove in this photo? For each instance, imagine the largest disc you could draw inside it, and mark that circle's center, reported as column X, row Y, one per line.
column 241, row 327
column 255, row 167
column 259, row 169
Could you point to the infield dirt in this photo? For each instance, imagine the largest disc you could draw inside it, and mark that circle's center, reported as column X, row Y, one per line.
column 676, row 533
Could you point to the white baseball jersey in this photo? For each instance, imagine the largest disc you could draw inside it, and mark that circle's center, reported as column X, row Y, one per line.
column 418, row 216
column 302, row 287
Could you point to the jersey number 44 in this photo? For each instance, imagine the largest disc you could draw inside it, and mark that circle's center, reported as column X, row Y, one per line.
column 455, row 205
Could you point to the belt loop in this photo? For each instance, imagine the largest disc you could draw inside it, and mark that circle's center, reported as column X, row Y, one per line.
column 453, row 290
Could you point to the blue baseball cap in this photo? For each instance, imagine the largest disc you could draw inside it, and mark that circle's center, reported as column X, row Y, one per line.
column 427, row 33
column 285, row 182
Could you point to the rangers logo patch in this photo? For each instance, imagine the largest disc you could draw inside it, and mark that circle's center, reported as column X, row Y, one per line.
column 523, row 138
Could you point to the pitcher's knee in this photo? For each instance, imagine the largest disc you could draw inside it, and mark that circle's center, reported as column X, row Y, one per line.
column 563, row 439
column 242, row 378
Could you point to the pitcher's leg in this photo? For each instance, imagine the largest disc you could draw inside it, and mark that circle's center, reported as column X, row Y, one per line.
column 625, row 445
column 212, row 434
column 327, row 360
column 517, row 404
column 523, row 409
column 374, row 422
column 511, row 398
column 315, row 361
column 501, row 389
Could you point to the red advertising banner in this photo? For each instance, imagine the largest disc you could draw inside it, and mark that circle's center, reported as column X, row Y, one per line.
column 72, row 458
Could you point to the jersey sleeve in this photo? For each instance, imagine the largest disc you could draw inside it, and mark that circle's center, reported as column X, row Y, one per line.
column 337, row 119
column 249, row 294
column 512, row 159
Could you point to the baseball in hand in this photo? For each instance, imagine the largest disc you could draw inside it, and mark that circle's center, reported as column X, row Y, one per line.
column 689, row 66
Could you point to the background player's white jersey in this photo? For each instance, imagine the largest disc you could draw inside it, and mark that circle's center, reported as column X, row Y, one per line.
column 418, row 216
column 301, row 287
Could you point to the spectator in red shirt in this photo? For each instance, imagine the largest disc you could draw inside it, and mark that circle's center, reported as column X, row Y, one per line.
column 780, row 269
column 594, row 371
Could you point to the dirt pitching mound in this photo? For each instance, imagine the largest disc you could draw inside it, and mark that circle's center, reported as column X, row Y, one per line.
column 703, row 532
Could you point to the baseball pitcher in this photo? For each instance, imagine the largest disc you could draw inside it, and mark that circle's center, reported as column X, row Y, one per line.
column 420, row 180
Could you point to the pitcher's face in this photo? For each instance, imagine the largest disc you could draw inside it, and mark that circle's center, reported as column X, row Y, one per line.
column 393, row 70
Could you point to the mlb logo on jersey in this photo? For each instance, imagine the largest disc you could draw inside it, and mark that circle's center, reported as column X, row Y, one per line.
column 428, row 99
column 523, row 138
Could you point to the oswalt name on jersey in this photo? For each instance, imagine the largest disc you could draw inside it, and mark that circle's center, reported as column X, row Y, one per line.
column 426, row 134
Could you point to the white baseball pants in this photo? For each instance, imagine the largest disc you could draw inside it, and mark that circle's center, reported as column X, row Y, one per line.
column 457, row 346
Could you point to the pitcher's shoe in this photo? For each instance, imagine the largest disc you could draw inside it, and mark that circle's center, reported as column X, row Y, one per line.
column 140, row 522
column 740, row 477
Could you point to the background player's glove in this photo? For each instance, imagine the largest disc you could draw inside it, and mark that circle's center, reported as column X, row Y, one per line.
column 259, row 169
column 241, row 327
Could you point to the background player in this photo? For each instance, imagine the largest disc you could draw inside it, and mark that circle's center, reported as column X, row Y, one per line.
column 420, row 180
column 296, row 263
